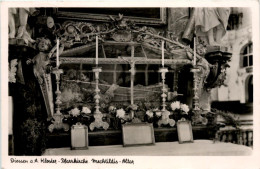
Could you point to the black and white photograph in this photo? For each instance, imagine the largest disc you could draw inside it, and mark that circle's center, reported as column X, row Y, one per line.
column 118, row 86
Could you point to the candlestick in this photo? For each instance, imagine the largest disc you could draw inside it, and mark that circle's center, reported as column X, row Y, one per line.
column 96, row 50
column 163, row 72
column 57, row 53
column 165, row 113
column 195, row 72
column 194, row 53
column 163, row 53
column 175, row 81
column 132, row 70
column 58, row 102
column 196, row 118
column 57, row 123
column 98, row 123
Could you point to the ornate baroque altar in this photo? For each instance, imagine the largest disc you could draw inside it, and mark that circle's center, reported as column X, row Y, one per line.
column 106, row 72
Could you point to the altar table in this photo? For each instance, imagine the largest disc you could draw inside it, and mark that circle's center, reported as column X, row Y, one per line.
column 198, row 148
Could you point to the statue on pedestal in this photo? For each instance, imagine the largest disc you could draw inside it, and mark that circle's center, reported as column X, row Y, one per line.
column 23, row 14
column 209, row 25
column 212, row 23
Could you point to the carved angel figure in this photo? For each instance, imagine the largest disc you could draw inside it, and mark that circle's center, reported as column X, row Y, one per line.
column 42, row 60
column 42, row 69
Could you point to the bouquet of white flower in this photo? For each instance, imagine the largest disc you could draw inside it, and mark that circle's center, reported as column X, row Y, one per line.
column 81, row 115
column 86, row 110
column 120, row 113
column 149, row 113
column 180, row 110
column 177, row 106
column 74, row 112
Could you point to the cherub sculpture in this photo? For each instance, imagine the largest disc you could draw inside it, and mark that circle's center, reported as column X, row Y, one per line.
column 42, row 70
column 212, row 23
column 23, row 14
column 41, row 60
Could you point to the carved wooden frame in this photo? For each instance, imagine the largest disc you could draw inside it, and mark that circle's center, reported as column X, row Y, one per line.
column 188, row 123
column 134, row 125
column 73, row 130
column 105, row 18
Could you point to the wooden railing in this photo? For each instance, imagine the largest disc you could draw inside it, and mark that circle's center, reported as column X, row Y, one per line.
column 242, row 135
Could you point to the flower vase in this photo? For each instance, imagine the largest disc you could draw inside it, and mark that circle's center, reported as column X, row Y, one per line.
column 132, row 114
column 149, row 119
column 65, row 120
column 116, row 123
column 106, row 118
column 155, row 120
column 85, row 120
column 185, row 116
column 73, row 121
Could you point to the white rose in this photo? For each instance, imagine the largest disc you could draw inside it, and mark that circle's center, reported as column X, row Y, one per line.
column 111, row 108
column 158, row 113
column 149, row 113
column 120, row 113
column 86, row 110
column 175, row 105
column 74, row 112
column 185, row 108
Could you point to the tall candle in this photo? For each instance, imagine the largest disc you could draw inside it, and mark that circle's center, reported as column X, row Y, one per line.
column 96, row 50
column 57, row 53
column 194, row 57
column 132, row 89
column 163, row 53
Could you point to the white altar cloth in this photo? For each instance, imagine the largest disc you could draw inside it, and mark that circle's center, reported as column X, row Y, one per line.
column 198, row 148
